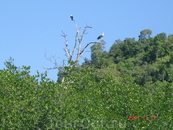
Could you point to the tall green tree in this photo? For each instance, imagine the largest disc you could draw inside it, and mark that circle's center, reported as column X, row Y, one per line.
column 145, row 34
column 97, row 53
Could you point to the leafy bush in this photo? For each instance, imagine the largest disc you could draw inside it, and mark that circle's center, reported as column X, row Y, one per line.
column 84, row 103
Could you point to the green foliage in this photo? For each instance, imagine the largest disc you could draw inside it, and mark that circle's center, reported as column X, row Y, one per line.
column 145, row 34
column 144, row 60
column 133, row 79
column 99, row 57
column 19, row 72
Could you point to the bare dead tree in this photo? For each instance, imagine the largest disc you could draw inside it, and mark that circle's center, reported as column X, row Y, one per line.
column 71, row 53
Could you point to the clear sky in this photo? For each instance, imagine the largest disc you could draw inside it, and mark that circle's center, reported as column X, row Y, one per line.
column 31, row 28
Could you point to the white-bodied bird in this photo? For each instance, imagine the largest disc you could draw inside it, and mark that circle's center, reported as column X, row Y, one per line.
column 71, row 16
column 100, row 37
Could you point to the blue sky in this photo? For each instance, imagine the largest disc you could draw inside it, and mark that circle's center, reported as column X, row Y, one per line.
column 31, row 28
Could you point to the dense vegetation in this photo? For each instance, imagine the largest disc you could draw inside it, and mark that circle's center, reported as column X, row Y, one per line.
column 133, row 79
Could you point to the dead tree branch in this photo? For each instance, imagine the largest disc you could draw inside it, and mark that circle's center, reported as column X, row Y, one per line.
column 77, row 46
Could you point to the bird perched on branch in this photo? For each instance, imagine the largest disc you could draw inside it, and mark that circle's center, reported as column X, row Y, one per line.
column 71, row 16
column 100, row 37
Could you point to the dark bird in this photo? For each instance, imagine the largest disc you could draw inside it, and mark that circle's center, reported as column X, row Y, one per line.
column 100, row 37
column 71, row 16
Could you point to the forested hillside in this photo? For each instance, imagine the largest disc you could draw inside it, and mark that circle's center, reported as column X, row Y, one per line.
column 147, row 60
column 129, row 87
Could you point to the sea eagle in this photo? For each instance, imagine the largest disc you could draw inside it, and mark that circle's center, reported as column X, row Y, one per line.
column 71, row 16
column 100, row 37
